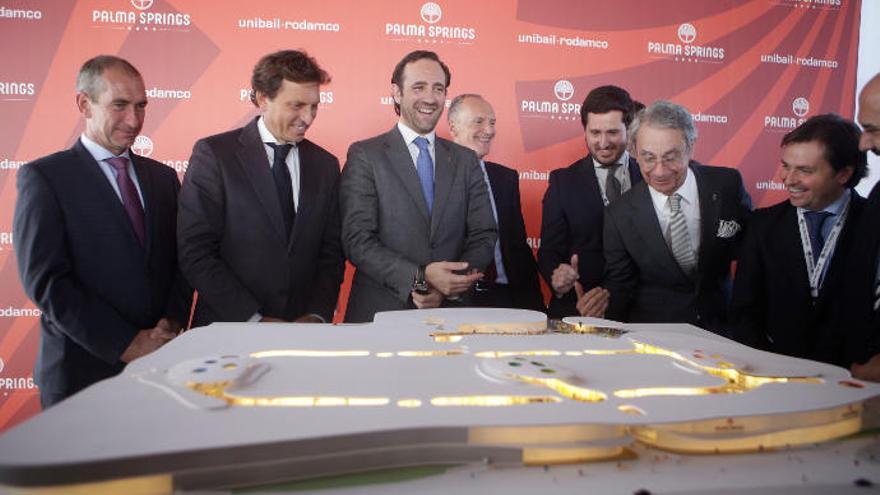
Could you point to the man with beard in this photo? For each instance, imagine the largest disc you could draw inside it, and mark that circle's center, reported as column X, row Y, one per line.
column 570, row 257
column 416, row 219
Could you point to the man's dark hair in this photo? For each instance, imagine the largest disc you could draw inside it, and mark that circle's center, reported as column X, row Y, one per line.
column 414, row 56
column 89, row 79
column 605, row 99
column 840, row 139
column 290, row 65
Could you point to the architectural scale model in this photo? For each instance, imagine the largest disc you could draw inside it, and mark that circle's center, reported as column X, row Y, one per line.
column 242, row 404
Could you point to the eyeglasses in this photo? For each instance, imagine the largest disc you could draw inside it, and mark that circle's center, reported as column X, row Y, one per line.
column 652, row 160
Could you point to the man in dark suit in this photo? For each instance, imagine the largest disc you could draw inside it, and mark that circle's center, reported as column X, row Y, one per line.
column 511, row 279
column 670, row 241
column 570, row 256
column 94, row 238
column 258, row 225
column 416, row 233
column 792, row 265
column 861, row 310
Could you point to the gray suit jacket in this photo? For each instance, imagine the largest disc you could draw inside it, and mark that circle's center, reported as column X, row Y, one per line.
column 231, row 236
column 386, row 230
column 646, row 283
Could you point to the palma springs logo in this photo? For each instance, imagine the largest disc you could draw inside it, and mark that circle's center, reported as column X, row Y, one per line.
column 142, row 146
column 431, row 29
column 559, row 108
column 812, row 4
column 800, row 107
column 140, row 17
column 686, row 50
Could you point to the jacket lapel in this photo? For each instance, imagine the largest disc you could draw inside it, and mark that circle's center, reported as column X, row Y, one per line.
column 648, row 227
column 402, row 164
column 444, row 175
column 710, row 211
column 309, row 186
column 145, row 180
column 252, row 157
column 104, row 192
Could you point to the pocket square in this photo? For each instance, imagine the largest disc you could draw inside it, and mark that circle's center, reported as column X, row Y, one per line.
column 727, row 229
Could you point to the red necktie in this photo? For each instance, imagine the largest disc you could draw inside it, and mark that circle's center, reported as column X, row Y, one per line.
column 130, row 199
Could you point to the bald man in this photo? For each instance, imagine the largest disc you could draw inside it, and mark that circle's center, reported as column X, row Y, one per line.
column 512, row 278
column 862, row 307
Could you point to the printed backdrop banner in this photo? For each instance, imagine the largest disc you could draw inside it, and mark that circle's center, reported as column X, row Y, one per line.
column 748, row 70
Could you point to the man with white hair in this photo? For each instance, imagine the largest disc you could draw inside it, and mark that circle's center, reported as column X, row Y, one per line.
column 669, row 243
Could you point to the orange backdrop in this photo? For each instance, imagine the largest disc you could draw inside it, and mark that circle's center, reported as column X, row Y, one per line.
column 749, row 70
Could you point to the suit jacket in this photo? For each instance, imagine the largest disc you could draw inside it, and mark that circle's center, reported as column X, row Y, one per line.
column 856, row 307
column 232, row 240
column 645, row 281
column 386, row 230
column 82, row 264
column 519, row 262
column 572, row 223
column 772, row 307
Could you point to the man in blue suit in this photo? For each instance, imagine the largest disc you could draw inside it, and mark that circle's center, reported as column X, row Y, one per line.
column 94, row 233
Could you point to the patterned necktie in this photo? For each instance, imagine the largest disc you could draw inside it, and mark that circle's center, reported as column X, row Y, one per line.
column 425, row 167
column 679, row 240
column 130, row 200
column 283, row 185
column 815, row 220
column 612, row 185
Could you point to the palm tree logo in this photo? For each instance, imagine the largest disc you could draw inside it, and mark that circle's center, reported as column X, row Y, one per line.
column 431, row 13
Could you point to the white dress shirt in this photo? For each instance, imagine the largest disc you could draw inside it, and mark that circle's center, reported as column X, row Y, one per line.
column 409, row 136
column 621, row 173
column 101, row 155
column 835, row 209
column 292, row 158
column 690, row 206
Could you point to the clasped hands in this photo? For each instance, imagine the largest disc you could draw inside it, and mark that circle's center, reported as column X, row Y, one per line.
column 445, row 280
column 590, row 303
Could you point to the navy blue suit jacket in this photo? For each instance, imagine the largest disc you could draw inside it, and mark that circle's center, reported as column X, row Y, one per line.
column 572, row 223
column 772, row 308
column 519, row 262
column 82, row 264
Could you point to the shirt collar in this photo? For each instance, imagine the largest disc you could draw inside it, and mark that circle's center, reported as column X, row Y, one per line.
column 688, row 191
column 409, row 135
column 266, row 135
column 623, row 160
column 98, row 152
column 836, row 206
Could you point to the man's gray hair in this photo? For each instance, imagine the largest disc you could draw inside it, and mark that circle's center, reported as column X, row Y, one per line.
column 89, row 80
column 455, row 106
column 666, row 115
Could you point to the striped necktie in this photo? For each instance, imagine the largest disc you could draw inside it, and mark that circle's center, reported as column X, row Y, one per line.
column 679, row 240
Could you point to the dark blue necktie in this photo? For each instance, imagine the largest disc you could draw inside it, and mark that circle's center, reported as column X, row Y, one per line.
column 425, row 167
column 283, row 185
column 815, row 220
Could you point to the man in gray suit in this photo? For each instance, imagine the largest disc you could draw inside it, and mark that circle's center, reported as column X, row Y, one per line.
column 258, row 222
column 670, row 240
column 416, row 219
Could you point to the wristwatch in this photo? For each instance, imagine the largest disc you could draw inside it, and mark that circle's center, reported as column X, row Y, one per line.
column 420, row 285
